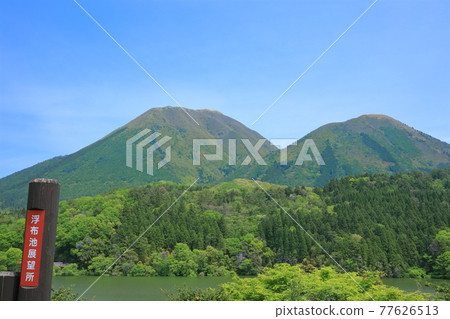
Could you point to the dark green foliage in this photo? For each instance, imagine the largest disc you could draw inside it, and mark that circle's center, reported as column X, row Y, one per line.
column 380, row 150
column 373, row 143
column 392, row 224
column 371, row 222
column 331, row 169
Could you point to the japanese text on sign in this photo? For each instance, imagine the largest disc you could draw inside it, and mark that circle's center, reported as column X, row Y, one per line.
column 31, row 259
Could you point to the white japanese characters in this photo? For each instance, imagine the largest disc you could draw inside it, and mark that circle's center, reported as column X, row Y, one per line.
column 32, row 248
column 35, row 219
column 29, row 276
column 32, row 253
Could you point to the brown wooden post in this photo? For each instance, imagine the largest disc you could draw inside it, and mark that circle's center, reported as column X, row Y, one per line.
column 9, row 285
column 43, row 194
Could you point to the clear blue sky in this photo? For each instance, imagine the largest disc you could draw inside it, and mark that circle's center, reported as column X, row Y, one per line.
column 64, row 84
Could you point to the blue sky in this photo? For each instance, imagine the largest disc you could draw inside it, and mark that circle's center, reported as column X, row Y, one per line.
column 64, row 84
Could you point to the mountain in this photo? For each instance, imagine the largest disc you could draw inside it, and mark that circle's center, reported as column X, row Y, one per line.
column 367, row 144
column 101, row 166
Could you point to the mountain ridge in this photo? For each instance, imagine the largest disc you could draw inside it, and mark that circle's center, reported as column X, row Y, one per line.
column 372, row 143
column 366, row 144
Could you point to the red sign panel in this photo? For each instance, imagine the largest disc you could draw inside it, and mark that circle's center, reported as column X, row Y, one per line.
column 31, row 259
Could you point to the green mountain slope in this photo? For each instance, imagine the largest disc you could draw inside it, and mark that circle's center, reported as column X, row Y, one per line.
column 367, row 144
column 101, row 166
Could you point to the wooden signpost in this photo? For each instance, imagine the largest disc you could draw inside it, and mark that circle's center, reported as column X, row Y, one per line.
column 39, row 244
column 32, row 248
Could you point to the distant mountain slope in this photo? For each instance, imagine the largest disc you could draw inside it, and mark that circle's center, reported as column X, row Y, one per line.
column 101, row 166
column 367, row 144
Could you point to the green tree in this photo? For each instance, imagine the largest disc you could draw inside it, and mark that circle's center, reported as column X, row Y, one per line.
column 442, row 265
column 141, row 270
column 11, row 259
column 70, row 270
column 183, row 262
column 213, row 262
column 100, row 264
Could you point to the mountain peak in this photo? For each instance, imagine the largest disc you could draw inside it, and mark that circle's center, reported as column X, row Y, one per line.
column 178, row 117
column 377, row 121
column 378, row 117
column 182, row 109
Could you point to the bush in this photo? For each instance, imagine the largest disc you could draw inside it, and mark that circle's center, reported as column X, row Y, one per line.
column 141, row 270
column 416, row 272
column 442, row 266
column 286, row 282
column 189, row 294
column 10, row 259
column 99, row 264
column 71, row 270
column 64, row 294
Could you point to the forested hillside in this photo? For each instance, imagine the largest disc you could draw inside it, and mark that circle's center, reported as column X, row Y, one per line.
column 395, row 224
column 376, row 144
column 101, row 166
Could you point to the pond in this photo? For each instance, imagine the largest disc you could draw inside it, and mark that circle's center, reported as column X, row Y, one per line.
column 411, row 285
column 133, row 288
column 152, row 288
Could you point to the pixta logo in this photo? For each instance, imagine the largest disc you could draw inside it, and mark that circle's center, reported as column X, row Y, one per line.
column 151, row 148
column 253, row 150
column 144, row 141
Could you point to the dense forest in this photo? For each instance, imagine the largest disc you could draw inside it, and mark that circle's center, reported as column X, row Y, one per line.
column 397, row 225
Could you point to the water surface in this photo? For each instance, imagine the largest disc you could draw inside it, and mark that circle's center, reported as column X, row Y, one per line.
column 152, row 288
column 411, row 285
column 133, row 288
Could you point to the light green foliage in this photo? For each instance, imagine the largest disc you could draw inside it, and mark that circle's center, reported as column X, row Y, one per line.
column 71, row 270
column 183, row 261
column 443, row 238
column 256, row 254
column 141, row 270
column 213, row 262
column 189, row 294
column 10, row 259
column 11, row 230
column 442, row 291
column 88, row 249
column 289, row 283
column 416, row 272
column 3, row 261
column 161, row 262
column 64, row 294
column 233, row 246
column 442, row 265
column 99, row 264
column 285, row 282
column 439, row 258
column 369, row 222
